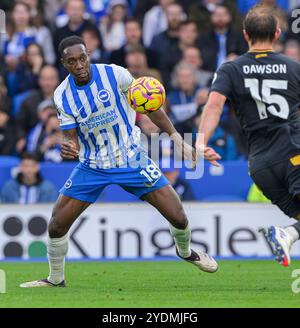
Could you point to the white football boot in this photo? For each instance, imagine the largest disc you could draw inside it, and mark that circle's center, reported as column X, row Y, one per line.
column 280, row 242
column 201, row 260
column 41, row 283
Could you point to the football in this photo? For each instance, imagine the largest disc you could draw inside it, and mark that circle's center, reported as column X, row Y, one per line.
column 146, row 95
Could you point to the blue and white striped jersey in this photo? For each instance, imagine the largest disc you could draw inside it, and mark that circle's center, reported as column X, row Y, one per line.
column 99, row 111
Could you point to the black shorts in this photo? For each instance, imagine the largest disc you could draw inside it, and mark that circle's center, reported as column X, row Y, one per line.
column 281, row 184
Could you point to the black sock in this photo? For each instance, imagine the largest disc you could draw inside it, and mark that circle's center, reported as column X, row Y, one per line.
column 193, row 257
column 297, row 227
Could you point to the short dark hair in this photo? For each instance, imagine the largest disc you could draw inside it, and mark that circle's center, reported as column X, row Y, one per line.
column 188, row 22
column 69, row 42
column 260, row 24
column 133, row 20
column 31, row 156
column 135, row 49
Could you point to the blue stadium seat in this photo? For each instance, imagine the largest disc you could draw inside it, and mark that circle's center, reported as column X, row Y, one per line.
column 18, row 100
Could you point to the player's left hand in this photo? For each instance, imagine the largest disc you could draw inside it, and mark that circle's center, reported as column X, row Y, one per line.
column 209, row 154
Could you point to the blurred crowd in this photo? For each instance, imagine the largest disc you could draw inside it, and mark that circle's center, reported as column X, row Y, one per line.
column 181, row 43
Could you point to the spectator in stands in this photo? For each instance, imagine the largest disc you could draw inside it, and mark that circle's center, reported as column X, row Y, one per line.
column 155, row 21
column 112, row 27
column 29, row 68
column 201, row 10
column 44, row 110
column 187, row 37
column 187, row 98
column 42, row 33
column 76, row 24
column 292, row 50
column 163, row 42
column 76, row 21
column 192, row 56
column 175, row 16
column 171, row 172
column 28, row 187
column 221, row 41
column 21, row 32
column 136, row 63
column 36, row 11
column 48, row 147
column 91, row 38
column 97, row 9
column 27, row 117
column 51, row 9
column 133, row 35
column 142, row 7
column 4, row 98
column 7, row 133
column 19, row 35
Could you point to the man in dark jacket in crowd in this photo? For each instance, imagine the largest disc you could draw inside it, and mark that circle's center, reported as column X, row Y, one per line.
column 28, row 187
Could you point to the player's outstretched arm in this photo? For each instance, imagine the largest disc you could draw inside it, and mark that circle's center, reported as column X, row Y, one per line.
column 70, row 145
column 161, row 119
column 210, row 118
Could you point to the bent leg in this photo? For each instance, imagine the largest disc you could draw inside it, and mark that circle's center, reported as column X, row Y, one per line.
column 65, row 212
column 167, row 202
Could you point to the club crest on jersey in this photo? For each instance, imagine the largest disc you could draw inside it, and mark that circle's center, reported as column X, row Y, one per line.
column 103, row 95
column 68, row 184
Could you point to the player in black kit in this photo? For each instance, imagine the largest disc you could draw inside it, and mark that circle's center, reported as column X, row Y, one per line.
column 264, row 89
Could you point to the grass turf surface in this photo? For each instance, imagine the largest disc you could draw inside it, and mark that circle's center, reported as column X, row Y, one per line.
column 154, row 284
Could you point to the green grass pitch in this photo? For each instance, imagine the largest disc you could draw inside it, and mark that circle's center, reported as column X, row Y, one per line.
column 154, row 284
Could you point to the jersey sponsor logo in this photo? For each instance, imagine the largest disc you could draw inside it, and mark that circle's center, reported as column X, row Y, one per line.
column 68, row 184
column 101, row 119
column 103, row 95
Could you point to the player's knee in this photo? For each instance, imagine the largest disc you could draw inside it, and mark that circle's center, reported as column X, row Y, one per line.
column 56, row 229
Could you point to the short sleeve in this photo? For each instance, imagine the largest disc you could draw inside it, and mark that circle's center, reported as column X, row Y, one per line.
column 66, row 121
column 222, row 81
column 125, row 79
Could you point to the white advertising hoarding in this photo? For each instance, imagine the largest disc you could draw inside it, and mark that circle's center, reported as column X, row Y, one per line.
column 138, row 231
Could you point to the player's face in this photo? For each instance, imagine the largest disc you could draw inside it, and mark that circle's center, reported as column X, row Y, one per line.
column 76, row 61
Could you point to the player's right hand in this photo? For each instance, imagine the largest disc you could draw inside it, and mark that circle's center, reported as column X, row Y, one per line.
column 69, row 150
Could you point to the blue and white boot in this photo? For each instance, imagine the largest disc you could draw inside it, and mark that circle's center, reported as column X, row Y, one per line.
column 280, row 242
